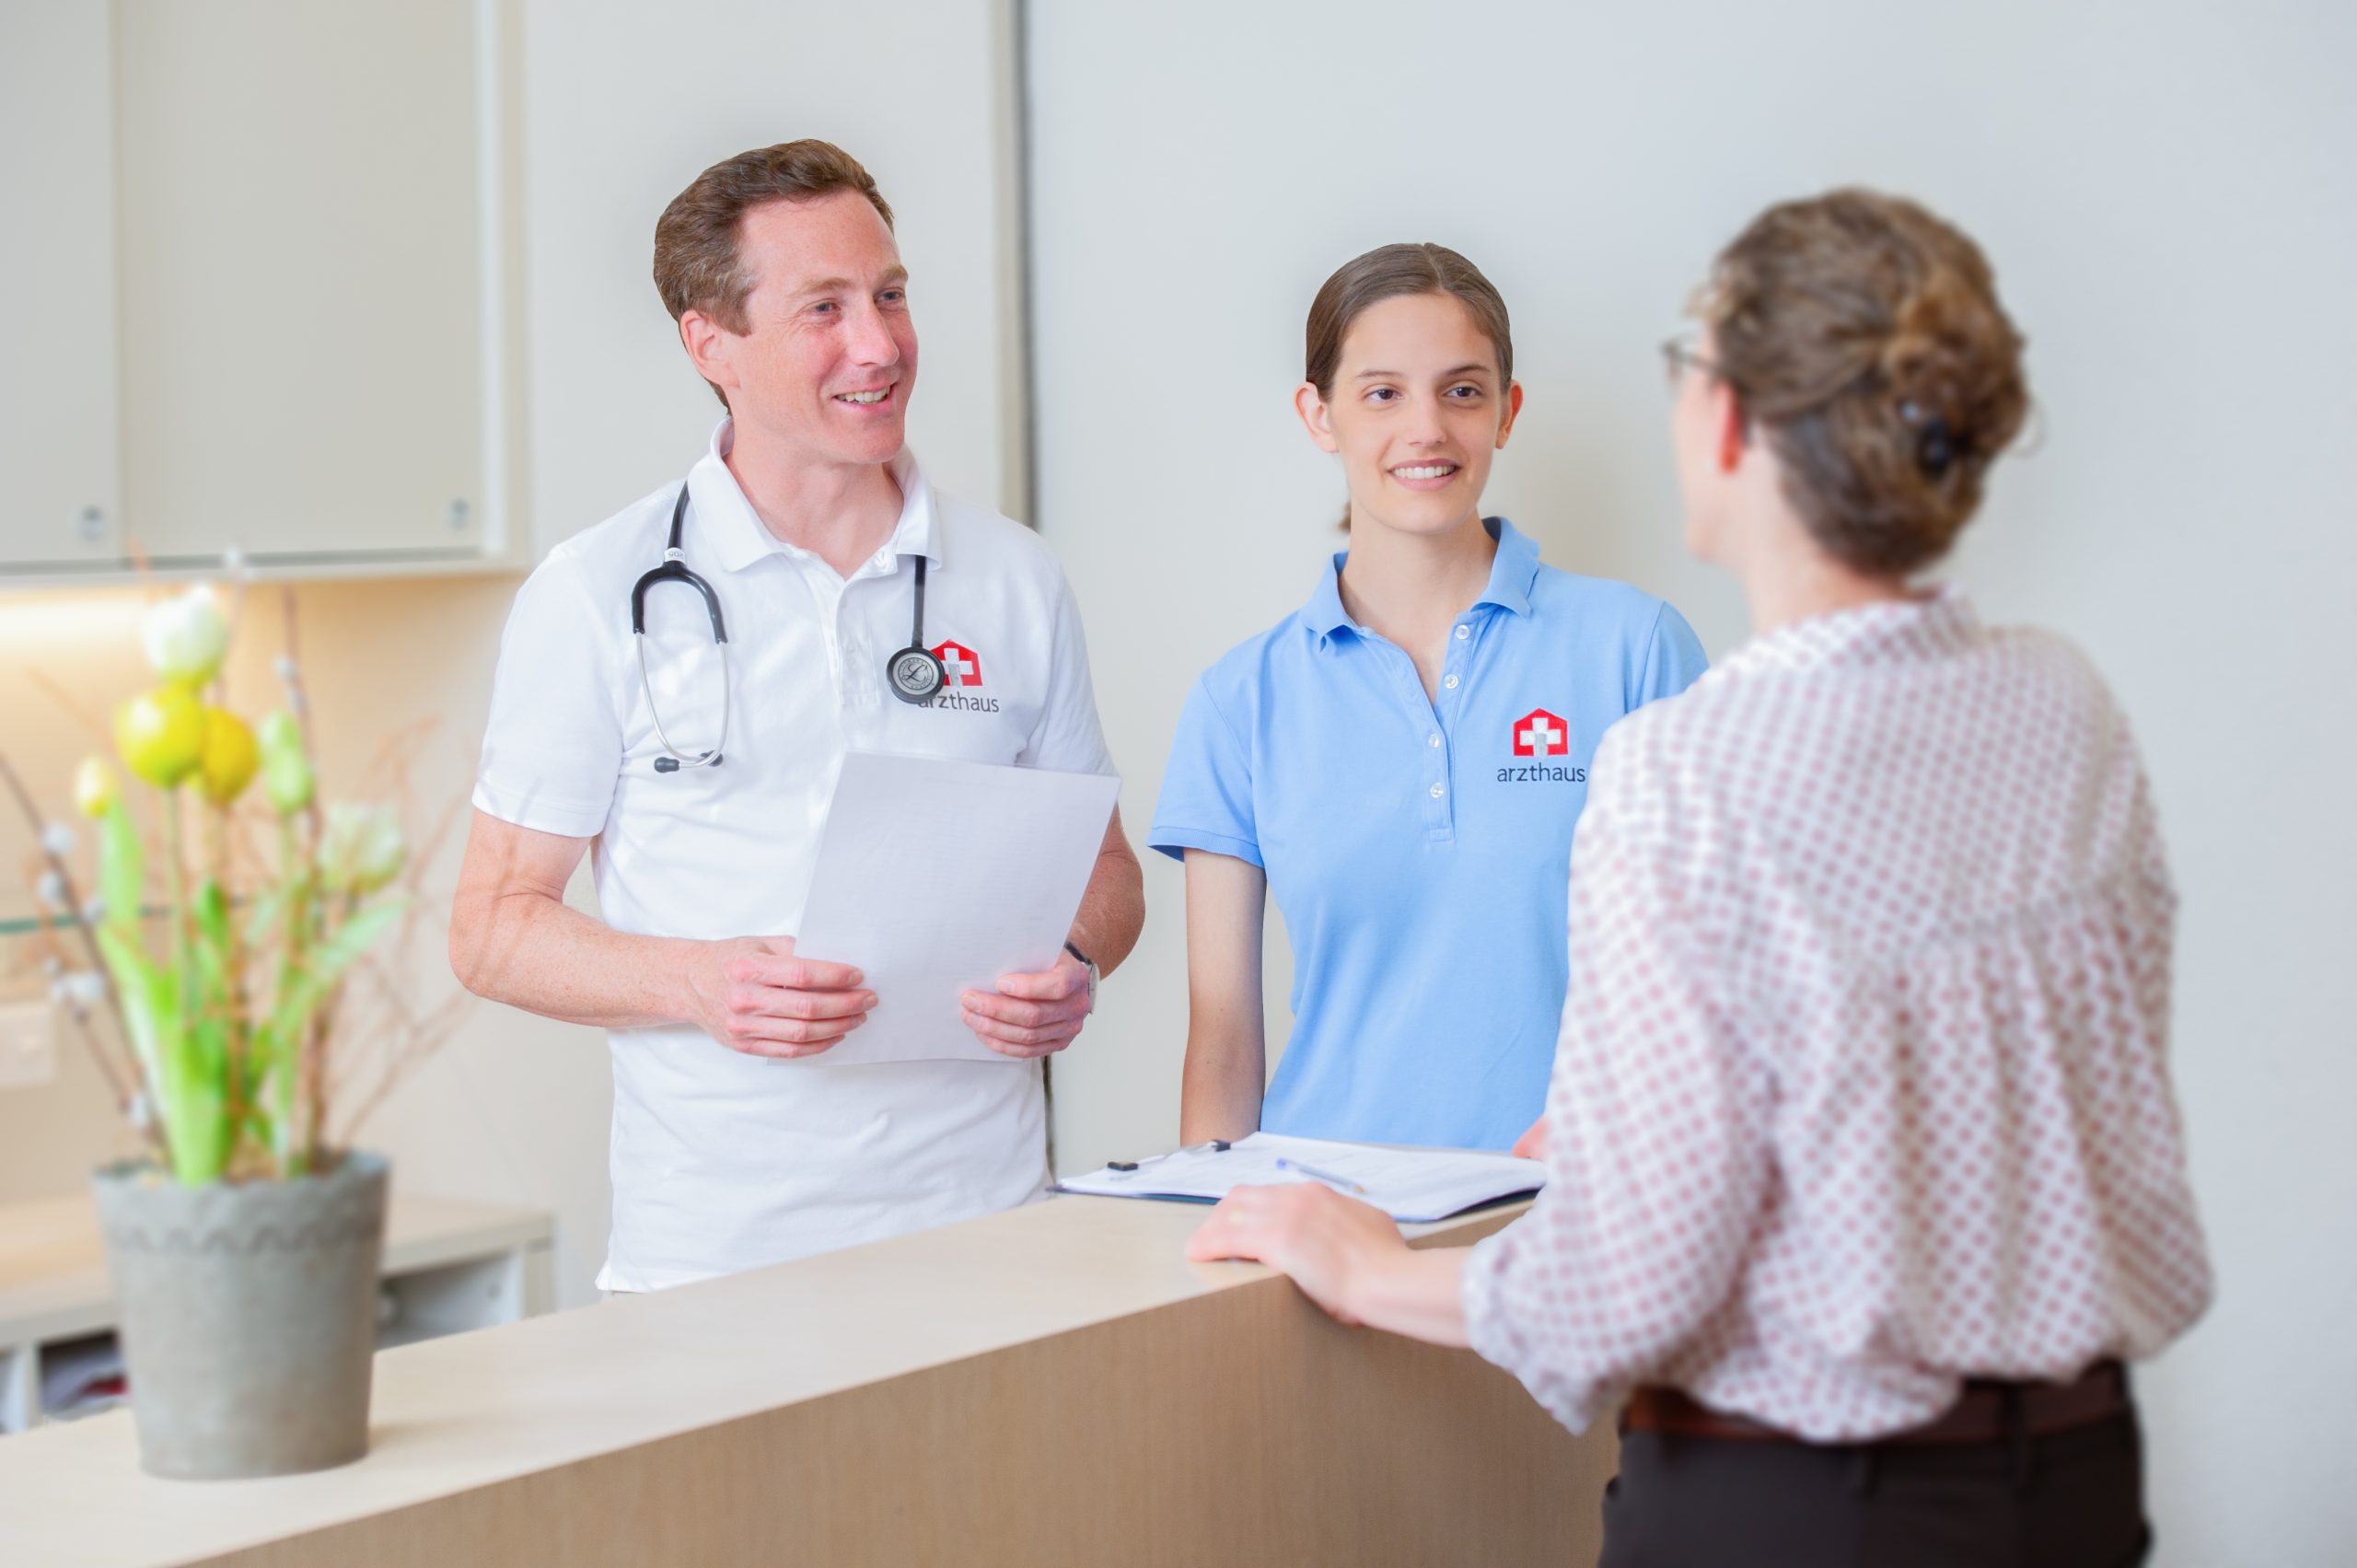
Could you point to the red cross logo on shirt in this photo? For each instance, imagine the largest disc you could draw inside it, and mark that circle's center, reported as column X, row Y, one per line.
column 1541, row 734
column 962, row 666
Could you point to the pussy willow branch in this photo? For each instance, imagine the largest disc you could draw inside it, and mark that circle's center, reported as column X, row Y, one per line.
column 427, row 1038
column 144, row 1125
column 116, row 1082
column 74, row 710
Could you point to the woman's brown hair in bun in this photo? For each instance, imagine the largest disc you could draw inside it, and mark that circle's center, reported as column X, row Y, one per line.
column 1863, row 336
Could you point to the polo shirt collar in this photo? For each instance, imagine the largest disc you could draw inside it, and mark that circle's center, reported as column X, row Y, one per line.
column 736, row 537
column 1515, row 568
column 1512, row 572
column 1324, row 613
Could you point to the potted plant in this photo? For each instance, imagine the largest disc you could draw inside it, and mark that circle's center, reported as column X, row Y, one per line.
column 243, row 1245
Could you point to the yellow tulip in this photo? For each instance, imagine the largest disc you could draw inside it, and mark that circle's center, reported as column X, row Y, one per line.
column 230, row 757
column 94, row 787
column 161, row 734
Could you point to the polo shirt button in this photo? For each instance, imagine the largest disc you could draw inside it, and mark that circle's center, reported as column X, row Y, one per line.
column 1463, row 632
column 1438, row 791
column 1450, row 683
column 1434, row 739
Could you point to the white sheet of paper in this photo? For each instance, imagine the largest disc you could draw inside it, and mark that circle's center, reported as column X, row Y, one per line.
column 937, row 877
column 1410, row 1185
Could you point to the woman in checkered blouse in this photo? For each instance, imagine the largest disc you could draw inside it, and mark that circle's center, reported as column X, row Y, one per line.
column 1866, row 1176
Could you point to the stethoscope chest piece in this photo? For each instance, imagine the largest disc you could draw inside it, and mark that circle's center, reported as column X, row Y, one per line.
column 915, row 675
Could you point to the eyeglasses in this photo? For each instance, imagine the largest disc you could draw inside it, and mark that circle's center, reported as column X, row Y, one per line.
column 1677, row 354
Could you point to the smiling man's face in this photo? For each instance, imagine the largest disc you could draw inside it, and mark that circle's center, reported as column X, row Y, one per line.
column 828, row 355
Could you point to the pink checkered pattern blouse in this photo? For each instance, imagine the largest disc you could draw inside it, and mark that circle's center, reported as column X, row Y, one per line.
column 1862, row 1084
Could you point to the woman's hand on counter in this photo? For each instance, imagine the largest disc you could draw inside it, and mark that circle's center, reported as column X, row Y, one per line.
column 1346, row 1256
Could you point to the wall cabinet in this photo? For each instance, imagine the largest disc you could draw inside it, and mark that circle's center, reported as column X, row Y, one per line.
column 59, row 479
column 279, row 312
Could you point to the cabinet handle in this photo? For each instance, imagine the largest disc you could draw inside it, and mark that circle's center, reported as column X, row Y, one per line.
column 460, row 514
column 91, row 525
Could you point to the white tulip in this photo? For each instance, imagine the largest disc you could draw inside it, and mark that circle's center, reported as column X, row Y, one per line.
column 361, row 848
column 186, row 637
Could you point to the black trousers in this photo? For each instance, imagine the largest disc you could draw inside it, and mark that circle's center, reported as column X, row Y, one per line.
column 2074, row 1499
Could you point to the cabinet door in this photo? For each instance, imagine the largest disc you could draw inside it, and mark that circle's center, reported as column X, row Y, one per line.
column 303, row 277
column 57, row 373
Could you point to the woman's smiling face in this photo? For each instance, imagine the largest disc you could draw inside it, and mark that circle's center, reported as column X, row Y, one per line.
column 1418, row 409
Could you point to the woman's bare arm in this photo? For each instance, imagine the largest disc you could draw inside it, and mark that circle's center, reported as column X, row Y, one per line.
column 1227, row 1040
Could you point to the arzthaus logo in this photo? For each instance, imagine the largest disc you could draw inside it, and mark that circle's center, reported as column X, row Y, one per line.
column 961, row 668
column 1539, row 735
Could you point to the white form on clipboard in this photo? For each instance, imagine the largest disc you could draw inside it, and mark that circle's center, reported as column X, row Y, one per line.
column 1410, row 1185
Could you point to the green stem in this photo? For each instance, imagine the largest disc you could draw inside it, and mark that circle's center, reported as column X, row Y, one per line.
column 183, row 958
column 291, row 1148
column 189, row 1103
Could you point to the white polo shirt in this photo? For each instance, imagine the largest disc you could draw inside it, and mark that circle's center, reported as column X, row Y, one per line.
column 723, row 1161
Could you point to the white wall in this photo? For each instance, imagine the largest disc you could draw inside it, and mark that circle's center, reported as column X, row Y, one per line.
column 626, row 102
column 2166, row 193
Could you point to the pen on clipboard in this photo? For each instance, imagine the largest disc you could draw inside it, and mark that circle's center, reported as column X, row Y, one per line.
column 1327, row 1177
column 1216, row 1147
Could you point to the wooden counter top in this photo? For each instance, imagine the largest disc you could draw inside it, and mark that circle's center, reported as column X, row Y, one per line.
column 973, row 1390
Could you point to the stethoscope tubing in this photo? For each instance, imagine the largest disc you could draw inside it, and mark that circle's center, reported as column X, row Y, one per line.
column 914, row 674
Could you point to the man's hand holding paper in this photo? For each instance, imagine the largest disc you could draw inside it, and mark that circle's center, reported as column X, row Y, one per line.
column 1030, row 1015
column 751, row 994
column 954, row 884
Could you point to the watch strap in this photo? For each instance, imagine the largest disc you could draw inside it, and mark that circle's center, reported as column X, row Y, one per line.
column 1090, row 965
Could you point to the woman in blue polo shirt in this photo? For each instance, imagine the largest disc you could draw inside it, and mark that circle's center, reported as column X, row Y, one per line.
column 1401, row 761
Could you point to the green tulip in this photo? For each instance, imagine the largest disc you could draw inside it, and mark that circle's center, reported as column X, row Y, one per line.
column 286, row 774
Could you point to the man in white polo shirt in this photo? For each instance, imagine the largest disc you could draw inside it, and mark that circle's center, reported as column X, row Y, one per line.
column 702, row 776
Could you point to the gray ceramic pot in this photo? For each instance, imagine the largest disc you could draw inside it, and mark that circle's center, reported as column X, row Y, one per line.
column 249, row 1315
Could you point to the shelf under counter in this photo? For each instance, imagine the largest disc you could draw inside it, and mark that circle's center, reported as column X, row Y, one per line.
column 449, row 1266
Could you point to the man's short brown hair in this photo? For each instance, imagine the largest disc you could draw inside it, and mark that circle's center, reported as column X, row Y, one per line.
column 695, row 239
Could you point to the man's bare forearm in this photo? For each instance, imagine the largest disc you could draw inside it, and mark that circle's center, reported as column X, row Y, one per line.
column 538, row 953
column 1112, row 909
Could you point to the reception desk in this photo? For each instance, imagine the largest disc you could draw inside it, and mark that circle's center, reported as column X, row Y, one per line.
column 1051, row 1386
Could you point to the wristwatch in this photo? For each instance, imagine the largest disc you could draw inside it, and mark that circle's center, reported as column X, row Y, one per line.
column 1092, row 972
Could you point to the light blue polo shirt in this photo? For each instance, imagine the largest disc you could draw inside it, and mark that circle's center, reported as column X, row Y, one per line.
column 1419, row 849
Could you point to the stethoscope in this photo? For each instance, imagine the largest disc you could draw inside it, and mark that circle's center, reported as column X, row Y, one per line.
column 914, row 674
